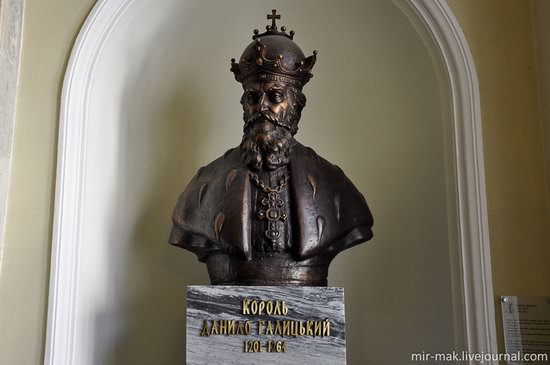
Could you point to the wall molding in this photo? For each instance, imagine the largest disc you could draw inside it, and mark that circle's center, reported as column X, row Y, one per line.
column 71, row 172
column 11, row 21
column 474, row 255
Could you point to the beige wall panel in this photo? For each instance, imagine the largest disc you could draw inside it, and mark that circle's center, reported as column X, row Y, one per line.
column 541, row 14
column 49, row 30
column 500, row 35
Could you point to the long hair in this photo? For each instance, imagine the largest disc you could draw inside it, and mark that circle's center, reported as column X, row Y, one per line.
column 295, row 112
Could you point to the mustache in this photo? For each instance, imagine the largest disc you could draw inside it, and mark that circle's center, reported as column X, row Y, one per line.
column 263, row 116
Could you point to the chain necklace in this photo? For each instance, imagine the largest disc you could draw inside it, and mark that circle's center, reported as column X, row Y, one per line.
column 274, row 205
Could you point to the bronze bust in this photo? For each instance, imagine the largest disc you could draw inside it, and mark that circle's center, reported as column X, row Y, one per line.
column 270, row 211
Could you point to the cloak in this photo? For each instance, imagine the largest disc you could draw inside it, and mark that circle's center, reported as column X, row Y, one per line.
column 213, row 213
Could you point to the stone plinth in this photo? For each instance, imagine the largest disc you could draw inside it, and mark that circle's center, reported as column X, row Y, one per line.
column 265, row 325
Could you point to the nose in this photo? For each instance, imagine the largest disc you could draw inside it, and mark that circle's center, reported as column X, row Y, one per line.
column 263, row 103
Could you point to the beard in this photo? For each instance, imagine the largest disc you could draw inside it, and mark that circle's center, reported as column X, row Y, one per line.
column 267, row 141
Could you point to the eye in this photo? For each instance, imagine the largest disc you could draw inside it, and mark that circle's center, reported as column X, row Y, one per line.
column 252, row 97
column 276, row 96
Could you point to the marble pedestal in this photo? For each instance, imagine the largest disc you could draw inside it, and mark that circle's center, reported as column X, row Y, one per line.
column 265, row 325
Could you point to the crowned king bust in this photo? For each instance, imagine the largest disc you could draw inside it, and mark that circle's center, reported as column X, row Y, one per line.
column 270, row 211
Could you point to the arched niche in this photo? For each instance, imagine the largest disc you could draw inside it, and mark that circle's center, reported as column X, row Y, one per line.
column 148, row 99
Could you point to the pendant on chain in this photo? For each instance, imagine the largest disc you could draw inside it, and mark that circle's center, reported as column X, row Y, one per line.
column 274, row 206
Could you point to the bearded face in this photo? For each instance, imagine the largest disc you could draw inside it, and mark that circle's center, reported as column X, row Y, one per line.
column 271, row 114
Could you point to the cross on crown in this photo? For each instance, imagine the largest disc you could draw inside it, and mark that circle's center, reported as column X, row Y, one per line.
column 273, row 16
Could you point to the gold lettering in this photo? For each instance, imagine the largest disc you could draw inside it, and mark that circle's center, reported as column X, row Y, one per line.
column 259, row 307
column 223, row 327
column 285, row 308
column 294, row 328
column 246, row 303
column 302, row 328
column 309, row 328
column 326, row 328
column 317, row 331
column 214, row 329
column 279, row 329
column 205, row 331
column 283, row 328
column 269, row 329
column 240, row 328
column 286, row 328
column 277, row 310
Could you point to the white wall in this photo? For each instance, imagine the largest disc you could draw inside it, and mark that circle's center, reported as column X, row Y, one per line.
column 164, row 103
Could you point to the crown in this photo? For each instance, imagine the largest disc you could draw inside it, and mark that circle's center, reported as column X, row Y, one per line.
column 273, row 55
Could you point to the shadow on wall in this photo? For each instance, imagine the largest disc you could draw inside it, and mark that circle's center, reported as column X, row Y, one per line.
column 158, row 142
